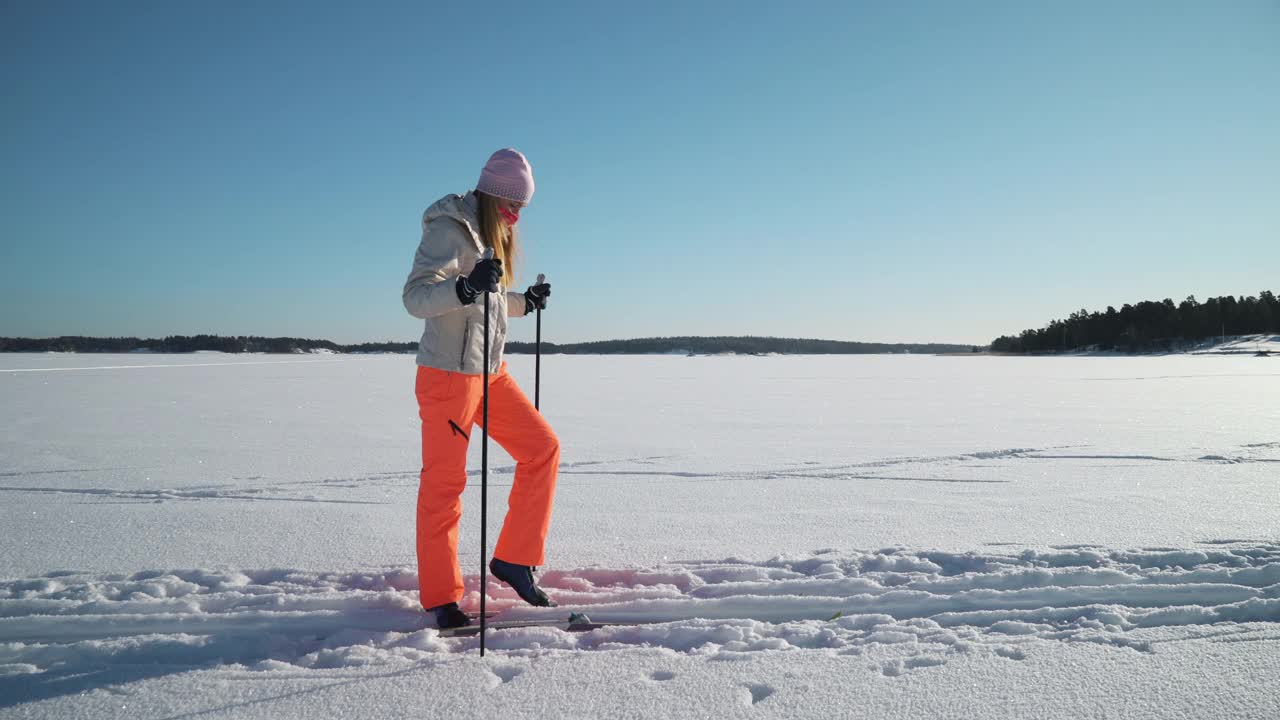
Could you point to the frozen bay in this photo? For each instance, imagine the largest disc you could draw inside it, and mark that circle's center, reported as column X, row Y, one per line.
column 232, row 535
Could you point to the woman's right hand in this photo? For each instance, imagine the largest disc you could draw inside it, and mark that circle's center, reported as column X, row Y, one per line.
column 486, row 276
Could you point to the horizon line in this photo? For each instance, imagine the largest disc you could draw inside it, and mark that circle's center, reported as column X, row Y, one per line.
column 509, row 341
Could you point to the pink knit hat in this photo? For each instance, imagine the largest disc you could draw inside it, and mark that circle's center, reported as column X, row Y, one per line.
column 507, row 175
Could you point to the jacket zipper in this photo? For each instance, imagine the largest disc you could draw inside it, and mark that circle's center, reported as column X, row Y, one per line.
column 466, row 340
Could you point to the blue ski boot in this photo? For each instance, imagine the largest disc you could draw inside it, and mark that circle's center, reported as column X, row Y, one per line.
column 449, row 616
column 520, row 577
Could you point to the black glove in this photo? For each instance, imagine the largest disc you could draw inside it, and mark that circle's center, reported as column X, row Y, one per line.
column 485, row 276
column 536, row 296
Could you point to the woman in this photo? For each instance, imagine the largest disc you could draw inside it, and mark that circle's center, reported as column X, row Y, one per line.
column 447, row 288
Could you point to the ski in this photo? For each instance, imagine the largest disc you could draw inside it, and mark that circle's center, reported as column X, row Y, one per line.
column 576, row 622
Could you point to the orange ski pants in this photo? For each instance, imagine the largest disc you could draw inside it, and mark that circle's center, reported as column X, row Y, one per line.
column 449, row 404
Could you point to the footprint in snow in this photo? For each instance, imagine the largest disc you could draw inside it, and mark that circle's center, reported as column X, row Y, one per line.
column 1012, row 653
column 503, row 674
column 757, row 693
column 662, row 675
column 895, row 668
column 924, row 661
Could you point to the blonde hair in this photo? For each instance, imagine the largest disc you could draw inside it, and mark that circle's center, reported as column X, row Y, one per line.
column 497, row 234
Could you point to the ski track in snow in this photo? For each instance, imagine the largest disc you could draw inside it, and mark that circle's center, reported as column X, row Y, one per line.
column 892, row 611
column 598, row 470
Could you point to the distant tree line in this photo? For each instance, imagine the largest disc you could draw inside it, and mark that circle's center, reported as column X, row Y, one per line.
column 170, row 344
column 1150, row 326
column 738, row 344
column 251, row 344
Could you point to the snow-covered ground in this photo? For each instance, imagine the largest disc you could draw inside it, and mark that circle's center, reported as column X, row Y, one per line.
column 854, row 536
column 1242, row 344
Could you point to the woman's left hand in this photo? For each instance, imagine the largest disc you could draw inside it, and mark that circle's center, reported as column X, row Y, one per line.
column 536, row 296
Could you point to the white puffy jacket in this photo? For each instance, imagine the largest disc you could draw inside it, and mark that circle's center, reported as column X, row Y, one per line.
column 453, row 335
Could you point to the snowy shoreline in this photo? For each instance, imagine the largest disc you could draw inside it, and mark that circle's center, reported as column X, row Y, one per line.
column 1250, row 345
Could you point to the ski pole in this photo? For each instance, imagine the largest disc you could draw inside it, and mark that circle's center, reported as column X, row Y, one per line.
column 484, row 468
column 537, row 354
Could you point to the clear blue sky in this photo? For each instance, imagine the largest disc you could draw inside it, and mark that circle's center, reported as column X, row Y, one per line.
column 918, row 171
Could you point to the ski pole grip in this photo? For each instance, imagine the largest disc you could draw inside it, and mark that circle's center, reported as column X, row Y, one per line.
column 541, row 279
column 487, row 254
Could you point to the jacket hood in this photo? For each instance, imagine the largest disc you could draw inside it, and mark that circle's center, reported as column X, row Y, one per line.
column 465, row 209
